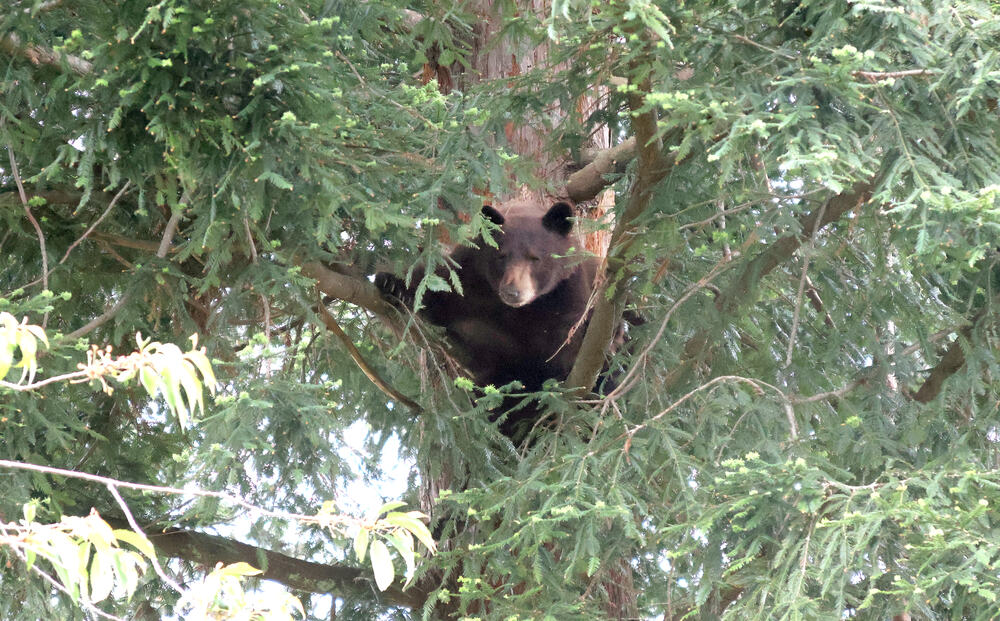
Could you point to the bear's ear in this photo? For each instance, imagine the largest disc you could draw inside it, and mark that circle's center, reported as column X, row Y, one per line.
column 492, row 215
column 557, row 219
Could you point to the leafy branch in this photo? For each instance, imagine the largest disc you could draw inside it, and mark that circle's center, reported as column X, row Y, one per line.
column 179, row 375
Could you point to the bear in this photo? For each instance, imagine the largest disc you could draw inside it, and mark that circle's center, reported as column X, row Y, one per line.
column 520, row 301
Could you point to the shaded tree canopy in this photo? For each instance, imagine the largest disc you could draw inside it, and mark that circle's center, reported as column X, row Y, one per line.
column 802, row 228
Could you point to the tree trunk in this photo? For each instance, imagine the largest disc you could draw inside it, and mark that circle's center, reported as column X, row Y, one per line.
column 497, row 60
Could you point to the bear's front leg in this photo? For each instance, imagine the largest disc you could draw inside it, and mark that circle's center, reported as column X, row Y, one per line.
column 394, row 289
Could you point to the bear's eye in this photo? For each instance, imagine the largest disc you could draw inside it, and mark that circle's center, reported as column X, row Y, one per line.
column 534, row 257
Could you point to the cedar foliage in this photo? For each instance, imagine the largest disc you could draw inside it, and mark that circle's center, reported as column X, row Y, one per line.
column 806, row 424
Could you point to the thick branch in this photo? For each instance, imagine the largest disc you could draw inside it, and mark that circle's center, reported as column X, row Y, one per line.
column 743, row 288
column 586, row 183
column 952, row 360
column 11, row 44
column 607, row 314
column 352, row 290
column 292, row 572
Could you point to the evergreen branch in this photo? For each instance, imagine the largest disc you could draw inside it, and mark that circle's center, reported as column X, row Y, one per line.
column 801, row 293
column 86, row 234
column 161, row 252
column 756, row 384
column 11, row 43
column 743, row 290
column 90, row 229
column 331, row 324
column 744, row 286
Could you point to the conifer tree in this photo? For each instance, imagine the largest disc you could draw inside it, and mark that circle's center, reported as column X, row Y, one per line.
column 787, row 399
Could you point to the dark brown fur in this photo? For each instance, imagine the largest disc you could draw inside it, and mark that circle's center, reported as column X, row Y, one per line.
column 519, row 302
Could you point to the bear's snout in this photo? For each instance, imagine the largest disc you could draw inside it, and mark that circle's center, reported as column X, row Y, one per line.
column 511, row 295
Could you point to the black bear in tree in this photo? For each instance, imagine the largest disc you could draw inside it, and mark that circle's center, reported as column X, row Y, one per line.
column 519, row 300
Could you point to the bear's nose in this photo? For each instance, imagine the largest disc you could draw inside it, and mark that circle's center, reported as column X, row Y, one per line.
column 510, row 295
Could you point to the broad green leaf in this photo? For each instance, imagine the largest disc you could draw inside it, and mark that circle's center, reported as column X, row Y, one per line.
column 411, row 522
column 361, row 544
column 389, row 506
column 102, row 575
column 240, row 570
column 382, row 565
column 403, row 542
column 136, row 540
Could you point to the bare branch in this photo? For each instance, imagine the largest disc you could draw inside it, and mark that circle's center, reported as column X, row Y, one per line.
column 292, row 572
column 27, row 209
column 113, row 490
column 833, row 394
column 127, row 242
column 589, row 181
column 209, row 549
column 37, row 55
column 875, row 76
column 352, row 290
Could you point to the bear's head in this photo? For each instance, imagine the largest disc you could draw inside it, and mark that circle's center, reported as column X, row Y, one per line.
column 530, row 259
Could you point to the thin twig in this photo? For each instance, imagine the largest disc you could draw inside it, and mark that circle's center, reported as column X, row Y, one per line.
column 93, row 226
column 38, row 229
column 755, row 383
column 66, row 377
column 113, row 490
column 161, row 489
column 749, row 41
column 630, row 378
column 331, row 324
column 802, row 288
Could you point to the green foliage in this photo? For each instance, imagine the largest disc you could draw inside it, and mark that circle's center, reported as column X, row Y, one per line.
column 772, row 442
